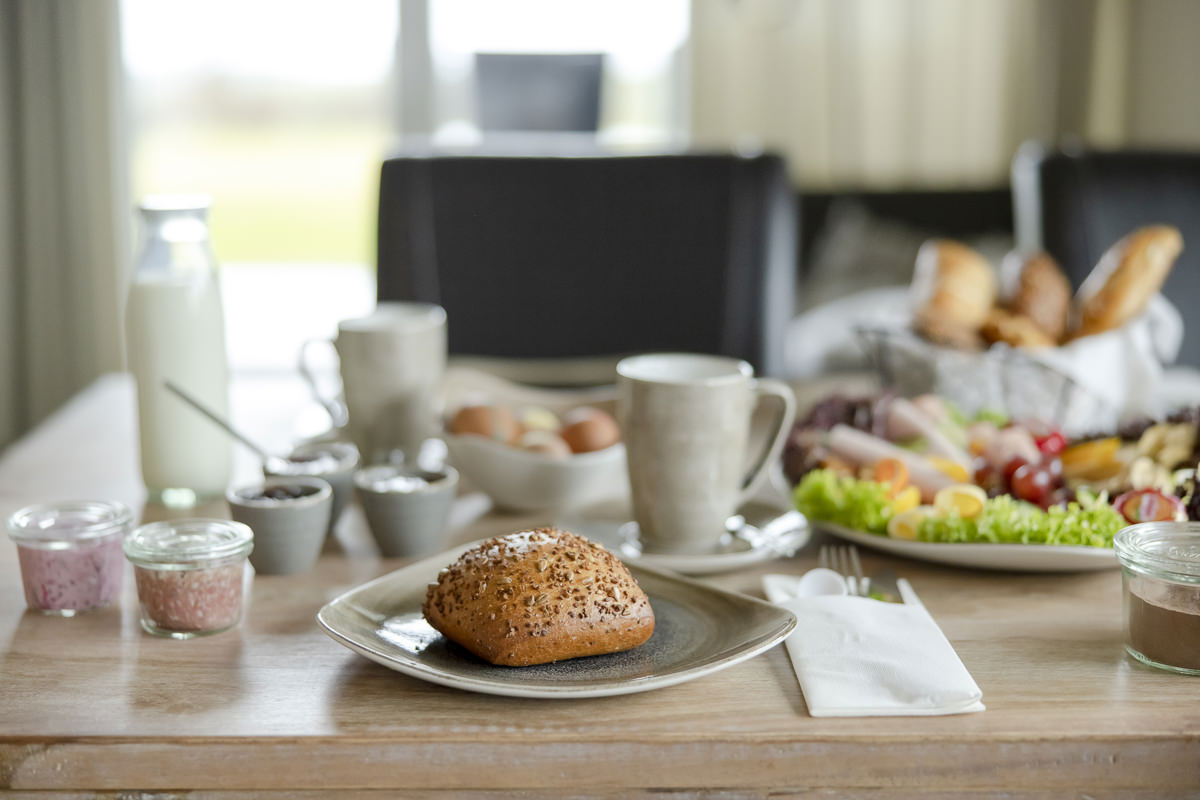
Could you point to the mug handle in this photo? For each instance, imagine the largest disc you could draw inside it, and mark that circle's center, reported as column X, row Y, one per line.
column 335, row 406
column 764, row 388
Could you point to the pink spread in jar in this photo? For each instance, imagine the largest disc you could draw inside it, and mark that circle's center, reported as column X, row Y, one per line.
column 70, row 554
column 189, row 575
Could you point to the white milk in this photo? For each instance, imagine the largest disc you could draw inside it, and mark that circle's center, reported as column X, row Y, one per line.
column 175, row 331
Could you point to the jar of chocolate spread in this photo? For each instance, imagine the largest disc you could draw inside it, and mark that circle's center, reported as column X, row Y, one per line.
column 1160, row 565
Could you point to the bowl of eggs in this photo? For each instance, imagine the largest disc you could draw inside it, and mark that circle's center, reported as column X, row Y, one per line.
column 527, row 457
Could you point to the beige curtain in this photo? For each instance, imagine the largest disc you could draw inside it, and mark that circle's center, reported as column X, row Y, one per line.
column 911, row 93
column 64, row 209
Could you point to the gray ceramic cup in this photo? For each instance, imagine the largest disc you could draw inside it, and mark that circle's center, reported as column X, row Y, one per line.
column 391, row 362
column 333, row 462
column 685, row 420
column 407, row 510
column 288, row 533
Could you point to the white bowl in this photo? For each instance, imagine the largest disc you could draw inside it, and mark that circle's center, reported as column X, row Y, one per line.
column 518, row 480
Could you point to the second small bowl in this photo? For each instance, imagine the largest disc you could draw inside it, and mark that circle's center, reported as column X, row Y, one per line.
column 289, row 517
column 407, row 511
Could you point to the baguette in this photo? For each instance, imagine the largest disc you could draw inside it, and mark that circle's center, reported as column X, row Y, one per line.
column 539, row 596
column 1127, row 276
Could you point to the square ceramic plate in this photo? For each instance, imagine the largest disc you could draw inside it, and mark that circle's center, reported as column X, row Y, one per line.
column 698, row 630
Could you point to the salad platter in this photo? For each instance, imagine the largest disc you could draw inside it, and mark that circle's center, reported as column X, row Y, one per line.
column 921, row 479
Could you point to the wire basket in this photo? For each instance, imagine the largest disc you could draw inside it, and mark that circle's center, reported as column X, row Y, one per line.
column 1000, row 378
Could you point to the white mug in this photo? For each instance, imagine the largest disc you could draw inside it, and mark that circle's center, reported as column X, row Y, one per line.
column 391, row 362
column 686, row 424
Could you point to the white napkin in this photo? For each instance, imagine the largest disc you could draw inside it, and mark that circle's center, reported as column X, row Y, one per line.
column 1121, row 368
column 857, row 657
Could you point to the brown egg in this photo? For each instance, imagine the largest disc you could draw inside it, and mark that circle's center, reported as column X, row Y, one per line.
column 588, row 429
column 547, row 443
column 493, row 422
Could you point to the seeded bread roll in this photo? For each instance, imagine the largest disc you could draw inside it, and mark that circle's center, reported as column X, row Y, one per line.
column 539, row 596
column 1128, row 275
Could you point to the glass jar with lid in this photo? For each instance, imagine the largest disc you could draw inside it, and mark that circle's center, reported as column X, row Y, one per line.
column 190, row 574
column 70, row 554
column 1160, row 565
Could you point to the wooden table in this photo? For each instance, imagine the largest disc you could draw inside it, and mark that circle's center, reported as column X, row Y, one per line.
column 274, row 707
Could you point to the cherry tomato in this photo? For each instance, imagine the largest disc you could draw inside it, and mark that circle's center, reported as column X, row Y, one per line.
column 1051, row 444
column 1148, row 505
column 1033, row 484
column 1054, row 465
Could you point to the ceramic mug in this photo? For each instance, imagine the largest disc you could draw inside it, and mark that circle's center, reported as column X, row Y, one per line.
column 391, row 363
column 686, row 423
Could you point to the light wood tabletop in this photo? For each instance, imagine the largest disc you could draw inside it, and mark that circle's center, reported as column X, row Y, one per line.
column 274, row 707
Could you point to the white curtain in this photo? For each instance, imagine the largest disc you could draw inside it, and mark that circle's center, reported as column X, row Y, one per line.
column 883, row 94
column 64, row 209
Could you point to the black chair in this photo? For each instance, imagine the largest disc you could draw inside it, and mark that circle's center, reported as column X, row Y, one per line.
column 594, row 257
column 1074, row 204
column 538, row 91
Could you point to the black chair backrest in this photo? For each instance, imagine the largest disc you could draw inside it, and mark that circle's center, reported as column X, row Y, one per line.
column 1076, row 204
column 562, row 258
column 538, row 91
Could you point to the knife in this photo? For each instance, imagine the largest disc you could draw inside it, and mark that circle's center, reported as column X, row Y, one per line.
column 884, row 585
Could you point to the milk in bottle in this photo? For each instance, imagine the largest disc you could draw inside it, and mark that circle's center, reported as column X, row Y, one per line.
column 175, row 330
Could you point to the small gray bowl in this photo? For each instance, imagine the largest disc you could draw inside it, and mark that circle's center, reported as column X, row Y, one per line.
column 407, row 510
column 334, row 462
column 288, row 532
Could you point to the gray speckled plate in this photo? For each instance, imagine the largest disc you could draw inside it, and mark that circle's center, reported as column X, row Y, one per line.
column 698, row 630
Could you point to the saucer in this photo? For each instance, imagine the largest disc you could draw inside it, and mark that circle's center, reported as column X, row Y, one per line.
column 758, row 533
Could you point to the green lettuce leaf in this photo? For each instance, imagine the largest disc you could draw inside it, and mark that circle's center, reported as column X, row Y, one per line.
column 1007, row 520
column 862, row 505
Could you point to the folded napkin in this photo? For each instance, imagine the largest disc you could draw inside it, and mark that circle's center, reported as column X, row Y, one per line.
column 857, row 657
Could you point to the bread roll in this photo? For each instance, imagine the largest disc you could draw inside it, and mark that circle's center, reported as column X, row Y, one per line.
column 1128, row 275
column 953, row 290
column 1040, row 292
column 1015, row 330
column 539, row 596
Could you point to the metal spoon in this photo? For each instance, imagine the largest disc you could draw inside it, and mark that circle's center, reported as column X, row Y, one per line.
column 196, row 404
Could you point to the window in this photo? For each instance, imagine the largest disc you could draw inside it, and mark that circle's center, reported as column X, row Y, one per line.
column 281, row 111
column 642, row 98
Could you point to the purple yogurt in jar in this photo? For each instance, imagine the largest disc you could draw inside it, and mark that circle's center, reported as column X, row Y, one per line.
column 70, row 554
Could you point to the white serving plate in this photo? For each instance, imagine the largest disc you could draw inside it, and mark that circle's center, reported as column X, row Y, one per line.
column 698, row 630
column 983, row 555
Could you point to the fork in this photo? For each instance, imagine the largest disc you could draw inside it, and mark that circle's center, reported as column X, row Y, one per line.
column 844, row 561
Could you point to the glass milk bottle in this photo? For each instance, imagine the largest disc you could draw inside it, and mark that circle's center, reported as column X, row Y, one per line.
column 175, row 331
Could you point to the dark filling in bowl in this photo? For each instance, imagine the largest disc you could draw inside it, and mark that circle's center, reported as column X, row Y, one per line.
column 284, row 493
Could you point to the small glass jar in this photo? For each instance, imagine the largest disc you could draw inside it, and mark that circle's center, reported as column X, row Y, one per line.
column 189, row 575
column 70, row 554
column 1160, row 566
